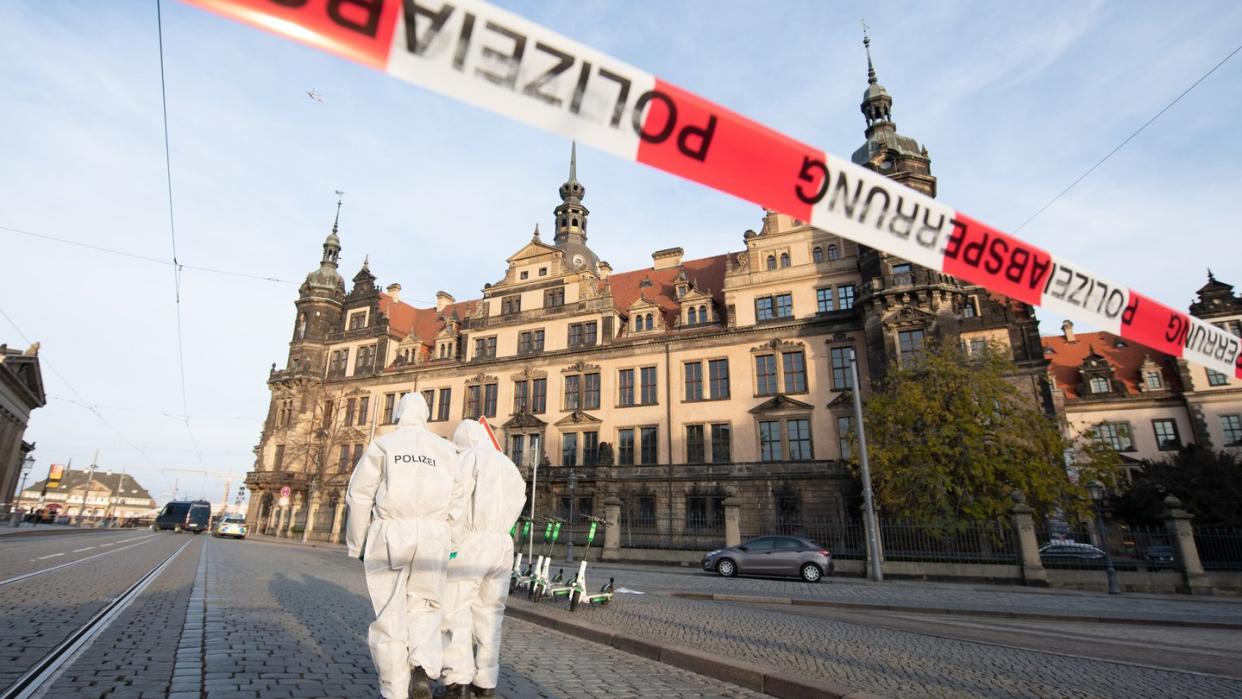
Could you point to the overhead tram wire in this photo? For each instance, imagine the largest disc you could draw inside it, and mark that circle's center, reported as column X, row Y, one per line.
column 87, row 404
column 1129, row 138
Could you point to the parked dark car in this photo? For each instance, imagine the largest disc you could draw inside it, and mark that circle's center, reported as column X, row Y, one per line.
column 772, row 555
column 181, row 515
column 1159, row 556
column 1069, row 552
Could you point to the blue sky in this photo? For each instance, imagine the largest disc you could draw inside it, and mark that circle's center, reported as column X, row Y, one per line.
column 1013, row 101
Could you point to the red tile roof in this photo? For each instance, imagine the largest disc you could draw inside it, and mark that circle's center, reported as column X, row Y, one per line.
column 424, row 322
column 1126, row 360
column 706, row 273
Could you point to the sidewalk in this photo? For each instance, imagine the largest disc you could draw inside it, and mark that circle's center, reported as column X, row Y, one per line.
column 50, row 529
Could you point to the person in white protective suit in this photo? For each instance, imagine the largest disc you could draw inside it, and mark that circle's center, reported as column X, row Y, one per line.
column 402, row 498
column 478, row 577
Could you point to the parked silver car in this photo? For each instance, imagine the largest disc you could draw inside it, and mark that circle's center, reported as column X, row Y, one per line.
column 772, row 555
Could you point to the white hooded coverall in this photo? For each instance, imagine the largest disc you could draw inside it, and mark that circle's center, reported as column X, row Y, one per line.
column 402, row 496
column 478, row 578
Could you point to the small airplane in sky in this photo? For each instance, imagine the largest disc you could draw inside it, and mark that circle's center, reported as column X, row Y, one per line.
column 314, row 95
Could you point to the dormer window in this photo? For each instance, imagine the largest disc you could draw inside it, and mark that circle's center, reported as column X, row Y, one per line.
column 771, row 262
column 357, row 320
column 1154, row 380
column 692, row 316
column 1100, row 384
column 817, row 254
column 784, row 260
column 834, row 253
column 525, row 274
column 543, row 271
column 968, row 309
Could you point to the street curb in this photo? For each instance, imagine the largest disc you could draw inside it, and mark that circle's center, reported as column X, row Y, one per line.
column 755, row 677
column 1037, row 616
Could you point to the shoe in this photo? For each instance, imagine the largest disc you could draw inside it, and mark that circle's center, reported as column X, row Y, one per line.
column 420, row 684
column 481, row 692
column 458, row 691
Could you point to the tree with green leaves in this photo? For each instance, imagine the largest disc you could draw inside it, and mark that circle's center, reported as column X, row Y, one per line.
column 950, row 436
column 1208, row 483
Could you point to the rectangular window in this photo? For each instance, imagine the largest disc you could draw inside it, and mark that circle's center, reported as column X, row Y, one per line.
column 572, row 393
column 765, row 374
column 718, row 376
column 539, row 396
column 357, row 320
column 590, row 392
column 845, row 428
column 390, row 402
column 517, row 446
column 485, row 347
column 530, row 342
column 1231, row 425
column 569, row 449
column 978, row 346
column 1215, row 378
column 278, row 461
column 350, row 405
column 704, row 512
column 583, row 334
column 770, row 440
column 625, row 387
column 694, row 380
column 845, row 297
column 842, row 377
column 553, row 298
column 446, row 395
column 649, row 445
column 823, row 300
column 722, row 443
column 524, row 342
column 474, row 395
column 784, row 306
column 357, row 455
column 430, row 398
column 763, row 308
column 510, row 305
column 694, row 444
column 364, row 404
column 490, row 392
column 799, row 433
column 1115, row 435
column 1167, row 438
column 340, row 359
column 648, row 378
column 910, row 344
column 795, row 372
column 364, row 363
column 343, row 463
column 521, row 400
column 625, row 447
column 1153, row 380
column 590, row 448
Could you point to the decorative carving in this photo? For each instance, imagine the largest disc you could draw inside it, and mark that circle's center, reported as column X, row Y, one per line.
column 776, row 345
column 579, row 367
column 909, row 317
column 528, row 373
column 780, row 402
column 481, row 378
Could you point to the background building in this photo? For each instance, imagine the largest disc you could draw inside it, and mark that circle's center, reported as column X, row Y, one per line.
column 21, row 391
column 1145, row 403
column 671, row 387
column 106, row 495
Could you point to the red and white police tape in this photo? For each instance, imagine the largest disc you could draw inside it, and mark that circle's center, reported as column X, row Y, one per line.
column 477, row 53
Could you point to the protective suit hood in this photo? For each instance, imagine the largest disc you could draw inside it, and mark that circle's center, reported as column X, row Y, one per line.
column 412, row 411
column 470, row 434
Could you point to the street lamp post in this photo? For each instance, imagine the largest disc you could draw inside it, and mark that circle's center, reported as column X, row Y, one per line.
column 1096, row 490
column 573, row 488
column 27, row 466
column 534, row 482
column 872, row 524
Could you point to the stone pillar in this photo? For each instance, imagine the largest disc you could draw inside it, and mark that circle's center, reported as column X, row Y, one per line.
column 733, row 520
column 295, row 511
column 311, row 513
column 273, row 517
column 612, row 529
column 1033, row 573
column 1182, row 536
column 338, row 520
column 282, row 525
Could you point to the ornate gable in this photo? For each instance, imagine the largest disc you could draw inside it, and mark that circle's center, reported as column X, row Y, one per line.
column 776, row 345
column 780, row 402
column 908, row 317
column 580, row 367
column 524, row 420
column 578, row 417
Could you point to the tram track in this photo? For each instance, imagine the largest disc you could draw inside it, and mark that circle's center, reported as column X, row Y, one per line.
column 43, row 571
column 40, row 675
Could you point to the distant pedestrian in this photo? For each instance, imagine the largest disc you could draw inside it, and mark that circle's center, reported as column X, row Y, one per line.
column 478, row 578
column 402, row 496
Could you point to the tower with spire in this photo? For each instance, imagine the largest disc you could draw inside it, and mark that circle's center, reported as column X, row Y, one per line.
column 901, row 301
column 571, row 221
column 320, row 301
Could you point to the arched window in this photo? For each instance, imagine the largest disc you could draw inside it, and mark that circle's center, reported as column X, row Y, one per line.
column 833, row 253
column 817, row 254
column 702, row 314
column 784, row 259
column 771, row 261
column 574, row 222
column 650, row 325
column 694, row 316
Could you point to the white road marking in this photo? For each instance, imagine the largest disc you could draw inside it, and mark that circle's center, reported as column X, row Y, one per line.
column 135, row 538
column 104, row 546
column 88, row 548
column 50, row 555
column 18, row 578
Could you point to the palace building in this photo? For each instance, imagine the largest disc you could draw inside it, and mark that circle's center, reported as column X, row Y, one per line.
column 671, row 387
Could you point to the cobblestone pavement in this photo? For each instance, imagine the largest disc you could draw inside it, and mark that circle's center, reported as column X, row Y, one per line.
column 924, row 594
column 891, row 662
column 38, row 613
column 291, row 622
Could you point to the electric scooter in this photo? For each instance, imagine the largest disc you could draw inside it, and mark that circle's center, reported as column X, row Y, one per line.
column 578, row 586
column 538, row 583
column 516, row 574
column 523, row 577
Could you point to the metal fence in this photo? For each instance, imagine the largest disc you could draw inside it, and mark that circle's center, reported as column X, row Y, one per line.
column 956, row 542
column 1081, row 547
column 1220, row 548
column 672, row 533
